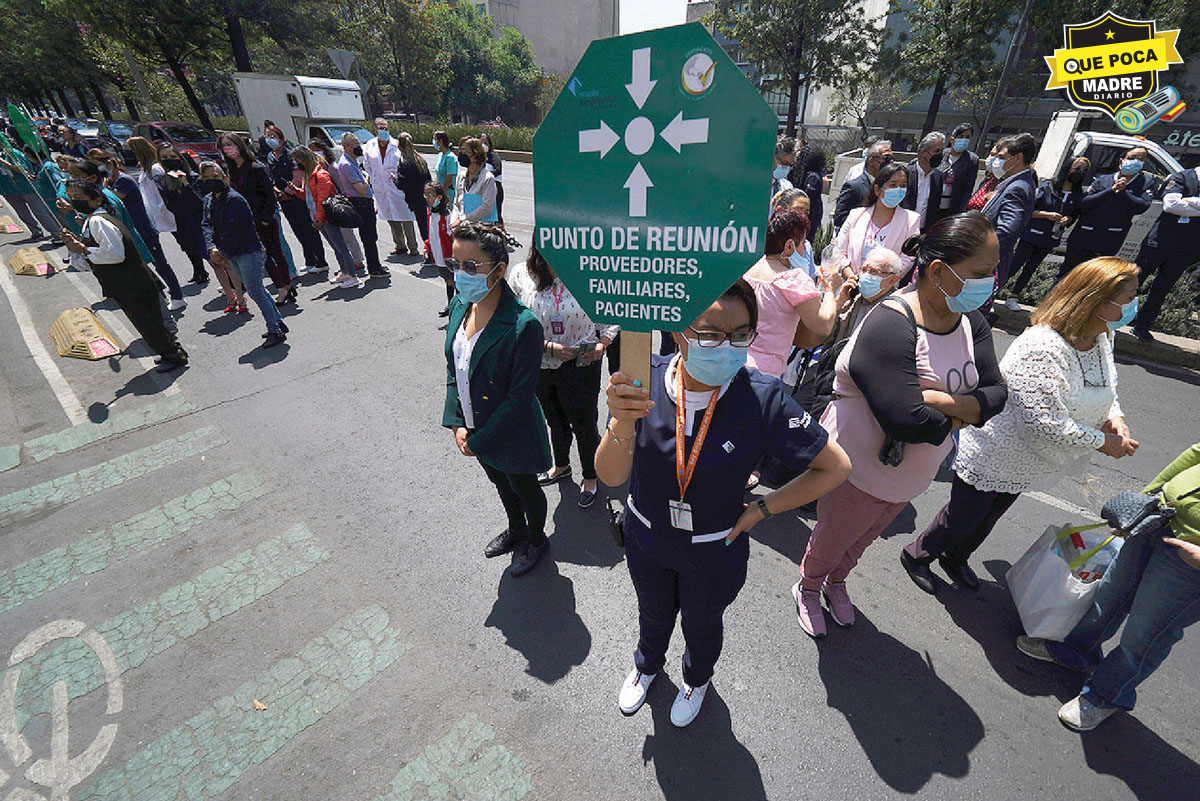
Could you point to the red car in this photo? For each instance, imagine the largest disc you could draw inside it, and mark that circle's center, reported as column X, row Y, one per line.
column 198, row 143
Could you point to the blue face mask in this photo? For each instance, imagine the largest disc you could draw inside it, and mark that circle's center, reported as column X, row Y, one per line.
column 1128, row 312
column 960, row 145
column 893, row 196
column 869, row 285
column 714, row 366
column 1131, row 167
column 473, row 288
column 974, row 293
column 383, row 135
column 434, row 142
column 781, row 171
column 797, row 260
column 272, row 143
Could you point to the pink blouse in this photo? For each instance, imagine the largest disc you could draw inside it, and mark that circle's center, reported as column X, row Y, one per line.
column 778, row 318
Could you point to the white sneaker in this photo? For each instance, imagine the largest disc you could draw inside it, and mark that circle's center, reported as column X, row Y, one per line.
column 176, row 305
column 1012, row 305
column 687, row 703
column 347, row 281
column 633, row 691
column 1080, row 714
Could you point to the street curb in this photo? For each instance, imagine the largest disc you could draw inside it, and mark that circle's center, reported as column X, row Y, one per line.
column 1167, row 350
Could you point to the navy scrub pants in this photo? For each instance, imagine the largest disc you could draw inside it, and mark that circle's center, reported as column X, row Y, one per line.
column 674, row 576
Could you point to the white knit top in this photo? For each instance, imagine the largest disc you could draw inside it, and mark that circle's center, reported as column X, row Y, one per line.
column 1058, row 397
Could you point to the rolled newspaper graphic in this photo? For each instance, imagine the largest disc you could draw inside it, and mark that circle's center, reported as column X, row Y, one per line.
column 1141, row 115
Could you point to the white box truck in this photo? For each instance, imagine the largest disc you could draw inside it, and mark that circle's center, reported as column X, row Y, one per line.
column 305, row 108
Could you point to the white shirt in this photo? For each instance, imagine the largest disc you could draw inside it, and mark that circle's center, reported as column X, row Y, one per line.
column 156, row 209
column 692, row 401
column 856, row 170
column 380, row 166
column 110, row 245
column 463, row 348
column 924, row 182
column 555, row 302
column 1176, row 203
column 484, row 186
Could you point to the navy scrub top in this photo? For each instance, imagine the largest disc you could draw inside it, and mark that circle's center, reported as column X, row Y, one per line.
column 754, row 417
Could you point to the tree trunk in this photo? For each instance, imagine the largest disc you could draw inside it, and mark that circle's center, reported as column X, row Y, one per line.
column 131, row 107
column 793, row 99
column 67, row 111
column 82, row 102
column 935, row 103
column 100, row 99
column 181, row 76
column 237, row 41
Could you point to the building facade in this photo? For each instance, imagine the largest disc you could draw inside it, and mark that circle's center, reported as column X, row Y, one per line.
column 559, row 30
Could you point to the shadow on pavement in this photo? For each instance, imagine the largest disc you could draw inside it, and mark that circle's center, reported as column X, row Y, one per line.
column 1124, row 748
column 536, row 614
column 905, row 523
column 224, row 324
column 581, row 536
column 786, row 534
column 703, row 760
column 262, row 357
column 910, row 723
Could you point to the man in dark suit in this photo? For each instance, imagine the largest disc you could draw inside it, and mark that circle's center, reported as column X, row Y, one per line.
column 1011, row 206
column 925, row 179
column 960, row 170
column 1107, row 211
column 1170, row 247
column 853, row 193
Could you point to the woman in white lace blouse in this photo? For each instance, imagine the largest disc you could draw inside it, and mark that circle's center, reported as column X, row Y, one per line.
column 1062, row 406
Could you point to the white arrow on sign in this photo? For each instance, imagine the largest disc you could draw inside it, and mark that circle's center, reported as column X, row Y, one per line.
column 598, row 140
column 680, row 132
column 641, row 86
column 637, row 183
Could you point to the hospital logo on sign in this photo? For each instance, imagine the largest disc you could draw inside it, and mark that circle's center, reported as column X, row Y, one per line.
column 1113, row 63
column 698, row 73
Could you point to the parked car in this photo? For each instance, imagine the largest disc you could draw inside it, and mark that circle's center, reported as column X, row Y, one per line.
column 87, row 129
column 114, row 134
column 192, row 141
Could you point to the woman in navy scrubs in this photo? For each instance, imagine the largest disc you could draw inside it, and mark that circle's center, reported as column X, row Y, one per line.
column 687, row 466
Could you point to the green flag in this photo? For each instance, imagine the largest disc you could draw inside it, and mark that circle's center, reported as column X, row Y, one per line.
column 27, row 130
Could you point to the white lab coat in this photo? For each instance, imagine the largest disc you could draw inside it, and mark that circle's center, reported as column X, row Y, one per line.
column 389, row 201
column 156, row 209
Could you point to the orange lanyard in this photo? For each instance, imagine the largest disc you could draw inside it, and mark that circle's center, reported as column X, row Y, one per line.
column 684, row 474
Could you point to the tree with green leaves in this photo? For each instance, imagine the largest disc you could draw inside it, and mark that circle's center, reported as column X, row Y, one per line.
column 864, row 92
column 796, row 43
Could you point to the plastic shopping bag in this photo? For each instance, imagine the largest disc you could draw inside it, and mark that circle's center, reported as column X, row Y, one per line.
column 1050, row 596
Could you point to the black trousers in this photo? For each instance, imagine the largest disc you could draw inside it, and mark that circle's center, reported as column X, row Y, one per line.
column 367, row 231
column 1168, row 266
column 296, row 212
column 962, row 525
column 1027, row 257
column 145, row 313
column 524, row 502
column 500, row 202
column 569, row 397
column 1080, row 250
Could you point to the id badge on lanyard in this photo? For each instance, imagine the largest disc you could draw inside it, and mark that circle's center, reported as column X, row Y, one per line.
column 557, row 327
column 681, row 511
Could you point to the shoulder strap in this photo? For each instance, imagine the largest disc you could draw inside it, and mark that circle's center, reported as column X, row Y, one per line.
column 908, row 312
column 130, row 242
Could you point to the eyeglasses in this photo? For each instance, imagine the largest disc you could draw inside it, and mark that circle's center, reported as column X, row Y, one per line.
column 711, row 339
column 470, row 266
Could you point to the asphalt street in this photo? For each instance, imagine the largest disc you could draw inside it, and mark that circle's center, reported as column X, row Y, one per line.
column 262, row 578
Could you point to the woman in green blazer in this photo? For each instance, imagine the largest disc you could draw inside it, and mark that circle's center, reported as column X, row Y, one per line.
column 493, row 359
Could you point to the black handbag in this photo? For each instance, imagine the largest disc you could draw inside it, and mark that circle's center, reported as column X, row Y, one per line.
column 1133, row 513
column 340, row 212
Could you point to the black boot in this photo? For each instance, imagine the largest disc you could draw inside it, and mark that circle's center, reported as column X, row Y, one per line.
column 919, row 572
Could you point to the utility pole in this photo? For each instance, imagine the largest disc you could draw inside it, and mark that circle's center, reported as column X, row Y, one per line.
column 1002, row 86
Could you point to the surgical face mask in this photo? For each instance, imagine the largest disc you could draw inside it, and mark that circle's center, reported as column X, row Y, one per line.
column 936, row 160
column 781, row 171
column 960, row 145
column 998, row 166
column 1131, row 166
column 473, row 288
column 869, row 285
column 893, row 195
column 435, row 144
column 797, row 261
column 82, row 206
column 714, row 366
column 383, row 134
column 230, row 151
column 1128, row 312
column 272, row 143
column 974, row 293
column 210, row 185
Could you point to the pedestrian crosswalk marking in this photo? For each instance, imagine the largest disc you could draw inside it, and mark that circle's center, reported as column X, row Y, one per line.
column 177, row 614
column 37, row 576
column 210, row 752
column 10, row 457
column 465, row 764
column 106, row 475
column 44, row 447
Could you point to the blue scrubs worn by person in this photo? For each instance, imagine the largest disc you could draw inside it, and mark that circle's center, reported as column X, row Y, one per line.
column 1106, row 212
column 493, row 361
column 687, row 443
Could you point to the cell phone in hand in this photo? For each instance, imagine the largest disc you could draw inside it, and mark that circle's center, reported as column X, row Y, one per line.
column 581, row 349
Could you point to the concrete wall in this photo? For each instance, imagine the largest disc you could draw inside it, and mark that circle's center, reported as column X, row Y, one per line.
column 559, row 30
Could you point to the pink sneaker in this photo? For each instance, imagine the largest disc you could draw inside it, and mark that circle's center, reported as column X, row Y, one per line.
column 838, row 600
column 809, row 611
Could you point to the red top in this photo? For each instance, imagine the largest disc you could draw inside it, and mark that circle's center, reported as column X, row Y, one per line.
column 320, row 187
column 982, row 195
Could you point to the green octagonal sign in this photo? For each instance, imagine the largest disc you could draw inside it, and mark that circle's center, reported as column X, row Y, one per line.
column 651, row 176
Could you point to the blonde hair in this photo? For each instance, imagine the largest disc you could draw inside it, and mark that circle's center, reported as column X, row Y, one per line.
column 145, row 153
column 1070, row 308
column 305, row 158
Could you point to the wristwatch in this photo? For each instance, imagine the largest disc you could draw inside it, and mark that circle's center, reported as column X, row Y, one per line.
column 762, row 507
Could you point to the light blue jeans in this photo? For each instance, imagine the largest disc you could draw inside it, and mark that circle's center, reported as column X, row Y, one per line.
column 1160, row 594
column 250, row 268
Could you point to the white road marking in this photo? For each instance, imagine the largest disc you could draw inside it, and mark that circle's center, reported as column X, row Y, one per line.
column 1058, row 503
column 41, row 356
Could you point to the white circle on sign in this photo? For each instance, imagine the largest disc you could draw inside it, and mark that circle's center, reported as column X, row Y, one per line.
column 698, row 73
column 639, row 135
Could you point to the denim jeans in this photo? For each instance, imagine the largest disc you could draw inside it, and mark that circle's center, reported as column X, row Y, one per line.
column 250, row 267
column 1160, row 594
column 335, row 237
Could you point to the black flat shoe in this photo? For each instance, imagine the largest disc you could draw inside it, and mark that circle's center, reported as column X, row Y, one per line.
column 527, row 557
column 545, row 480
column 586, row 499
column 444, row 312
column 962, row 575
column 920, row 573
column 501, row 544
column 169, row 365
column 274, row 339
column 283, row 329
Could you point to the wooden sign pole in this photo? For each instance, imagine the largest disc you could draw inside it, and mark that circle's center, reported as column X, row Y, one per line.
column 636, row 347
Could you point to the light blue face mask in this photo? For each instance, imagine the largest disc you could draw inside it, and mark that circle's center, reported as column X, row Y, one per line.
column 1131, row 166
column 714, row 366
column 960, row 145
column 1128, row 312
column 434, row 142
column 798, row 261
column 383, row 135
column 869, row 285
column 893, row 196
column 473, row 288
column 272, row 143
column 974, row 293
column 781, row 171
